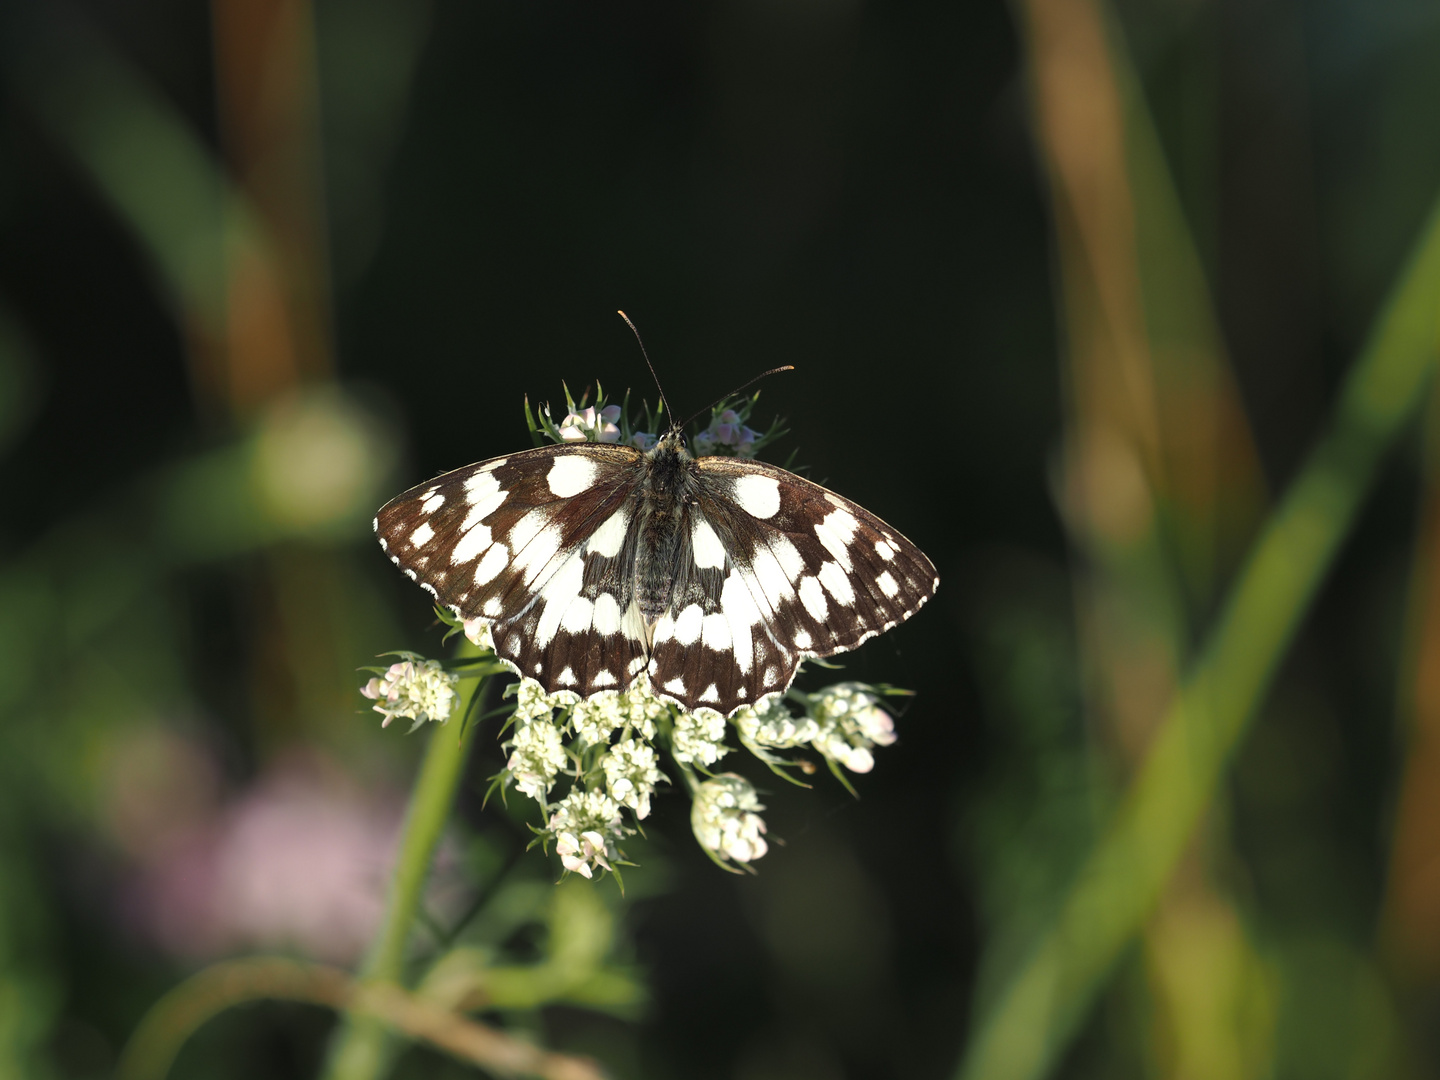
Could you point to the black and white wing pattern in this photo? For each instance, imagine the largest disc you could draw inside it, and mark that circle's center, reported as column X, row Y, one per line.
column 537, row 545
column 781, row 569
column 590, row 563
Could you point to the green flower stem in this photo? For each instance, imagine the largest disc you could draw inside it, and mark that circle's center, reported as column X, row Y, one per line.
column 1034, row 1016
column 362, row 1047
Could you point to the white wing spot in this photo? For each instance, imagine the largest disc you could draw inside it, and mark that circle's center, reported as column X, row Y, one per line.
column 636, row 664
column 472, row 544
column 490, row 566
column 409, row 573
column 774, row 585
column 885, row 549
column 607, row 615
column 758, row 496
column 715, row 633
column 567, row 677
column 603, row 677
column 710, row 694
column 772, row 676
column 480, row 486
column 834, row 540
column 802, row 639
column 481, row 510
column 687, row 626
column 578, row 615
column 888, row 585
column 559, row 593
column 675, row 685
column 571, row 474
column 535, row 556
column 610, row 537
column 492, row 608
column 632, row 625
column 432, row 503
column 788, row 556
column 742, row 614
column 836, row 583
column 422, row 535
column 708, row 551
column 813, row 597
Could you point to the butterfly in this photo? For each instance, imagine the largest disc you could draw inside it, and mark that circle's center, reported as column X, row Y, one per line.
column 590, row 563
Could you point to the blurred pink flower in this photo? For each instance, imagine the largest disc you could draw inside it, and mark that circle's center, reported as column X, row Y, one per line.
column 301, row 862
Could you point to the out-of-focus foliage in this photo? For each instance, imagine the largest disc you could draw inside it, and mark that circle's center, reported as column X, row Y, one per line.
column 1072, row 289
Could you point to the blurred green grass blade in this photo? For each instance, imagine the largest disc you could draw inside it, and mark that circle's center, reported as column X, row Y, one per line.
column 1038, row 1011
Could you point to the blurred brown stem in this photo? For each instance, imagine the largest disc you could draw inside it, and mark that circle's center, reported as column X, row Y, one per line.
column 165, row 1029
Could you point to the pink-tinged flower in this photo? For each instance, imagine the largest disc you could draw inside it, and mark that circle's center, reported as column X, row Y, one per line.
column 301, row 863
column 577, row 854
column 571, row 433
column 610, row 413
column 608, row 433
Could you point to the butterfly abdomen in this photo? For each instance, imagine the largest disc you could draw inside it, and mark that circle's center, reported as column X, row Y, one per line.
column 668, row 486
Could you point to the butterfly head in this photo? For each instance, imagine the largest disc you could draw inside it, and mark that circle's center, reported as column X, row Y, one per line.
column 672, row 443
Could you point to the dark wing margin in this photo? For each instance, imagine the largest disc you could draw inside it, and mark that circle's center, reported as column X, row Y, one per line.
column 779, row 569
column 534, row 546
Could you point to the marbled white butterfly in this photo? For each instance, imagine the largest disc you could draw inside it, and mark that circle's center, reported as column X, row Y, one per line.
column 590, row 563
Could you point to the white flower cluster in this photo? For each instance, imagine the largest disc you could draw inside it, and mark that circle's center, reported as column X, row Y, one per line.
column 608, row 745
column 698, row 738
column 724, row 819
column 416, row 689
column 537, row 755
column 843, row 723
column 851, row 723
column 586, row 825
column 727, row 430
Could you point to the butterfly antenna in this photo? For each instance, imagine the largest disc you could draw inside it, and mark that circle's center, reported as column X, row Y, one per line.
column 743, row 386
column 651, row 366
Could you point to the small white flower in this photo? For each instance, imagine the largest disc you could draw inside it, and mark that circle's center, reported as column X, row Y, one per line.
column 851, row 722
column 571, row 433
column 699, row 737
column 704, row 443
column 772, row 724
column 745, row 444
column 536, row 756
column 724, row 818
column 578, row 853
column 608, row 433
column 642, row 440
column 586, row 826
column 531, row 700
column 631, row 773
column 642, row 708
column 596, row 719
column 610, row 413
column 478, row 631
column 417, row 689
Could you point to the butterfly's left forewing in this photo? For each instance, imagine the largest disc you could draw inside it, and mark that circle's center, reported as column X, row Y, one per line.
column 537, row 546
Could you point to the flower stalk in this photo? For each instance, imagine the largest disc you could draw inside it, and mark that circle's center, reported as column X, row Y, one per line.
column 362, row 1047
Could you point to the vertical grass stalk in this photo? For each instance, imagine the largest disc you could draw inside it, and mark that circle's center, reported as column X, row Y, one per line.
column 1036, row 1013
